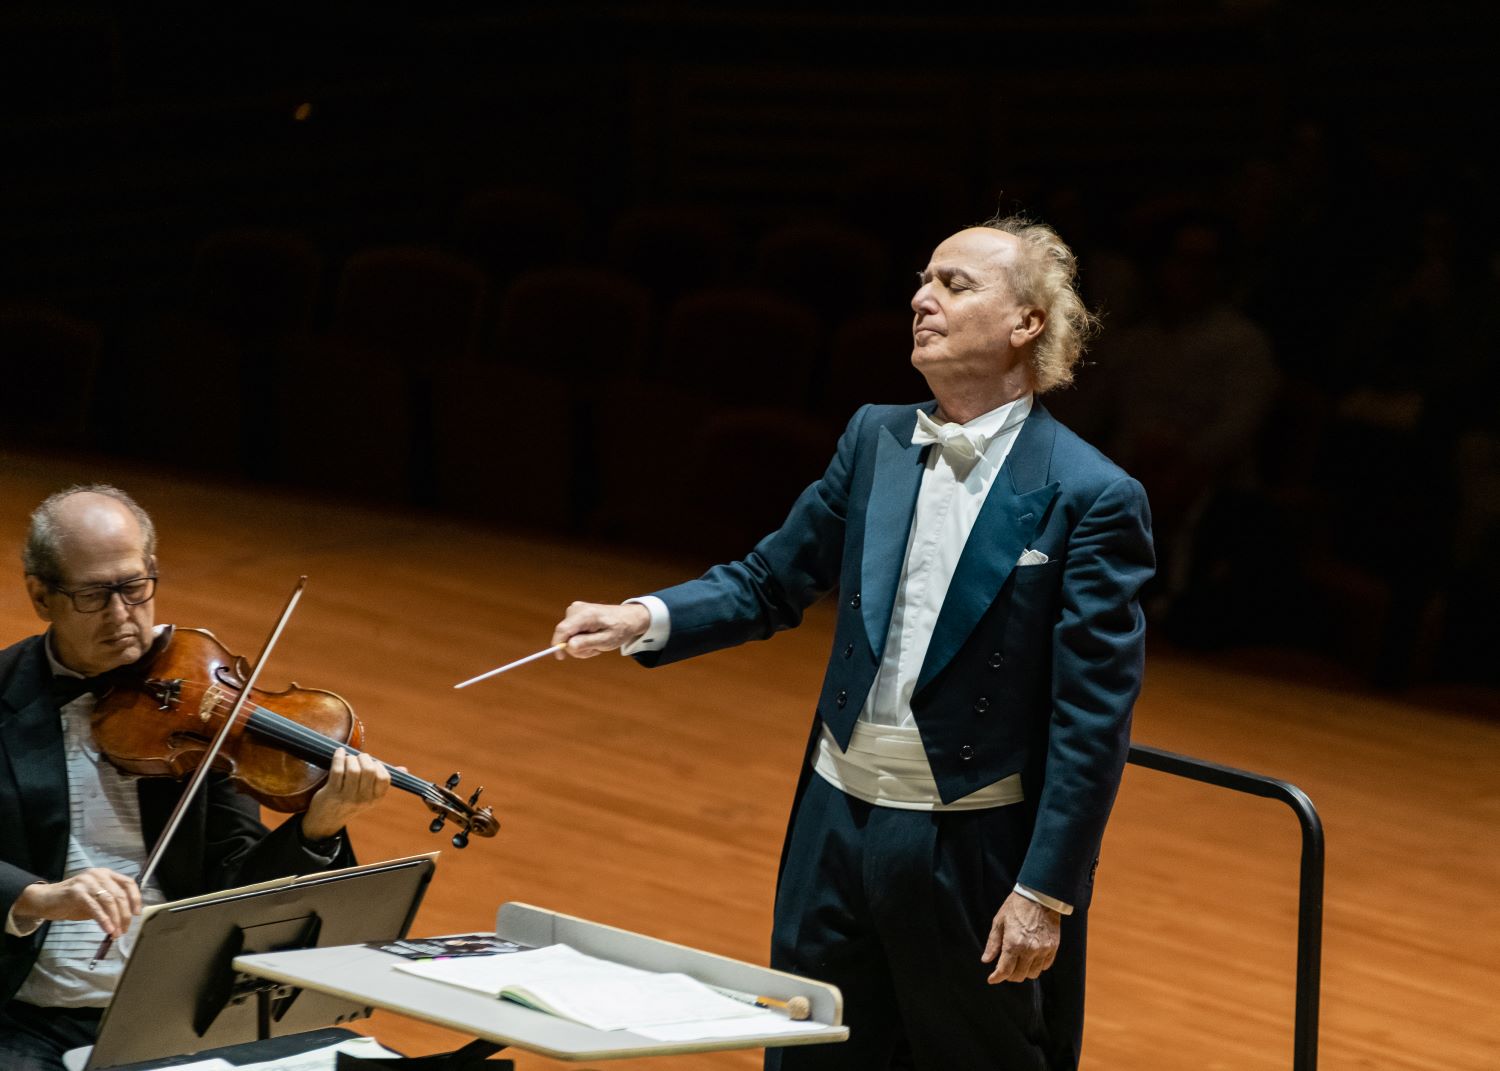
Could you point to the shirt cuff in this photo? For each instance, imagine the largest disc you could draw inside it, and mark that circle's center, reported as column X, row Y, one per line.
column 655, row 636
column 16, row 928
column 1045, row 900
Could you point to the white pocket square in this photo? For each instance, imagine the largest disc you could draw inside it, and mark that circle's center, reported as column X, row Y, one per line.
column 1032, row 557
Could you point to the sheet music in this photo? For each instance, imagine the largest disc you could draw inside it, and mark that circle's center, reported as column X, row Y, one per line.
column 596, row 992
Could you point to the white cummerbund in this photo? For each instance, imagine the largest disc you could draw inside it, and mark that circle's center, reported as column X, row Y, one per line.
column 887, row 766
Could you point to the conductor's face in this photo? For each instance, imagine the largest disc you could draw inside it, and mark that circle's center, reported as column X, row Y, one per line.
column 101, row 608
column 966, row 323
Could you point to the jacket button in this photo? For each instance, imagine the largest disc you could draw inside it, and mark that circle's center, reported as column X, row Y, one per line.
column 997, row 660
column 966, row 752
column 841, row 699
column 849, row 651
column 981, row 705
column 854, row 601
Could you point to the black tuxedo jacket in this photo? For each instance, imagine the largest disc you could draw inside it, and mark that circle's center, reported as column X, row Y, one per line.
column 220, row 844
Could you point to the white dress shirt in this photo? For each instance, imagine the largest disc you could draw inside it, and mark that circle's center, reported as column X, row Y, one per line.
column 948, row 504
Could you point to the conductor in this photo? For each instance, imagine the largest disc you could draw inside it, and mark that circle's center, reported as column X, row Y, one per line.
column 974, row 718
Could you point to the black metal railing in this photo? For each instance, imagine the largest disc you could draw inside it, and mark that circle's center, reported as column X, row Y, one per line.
column 1310, row 886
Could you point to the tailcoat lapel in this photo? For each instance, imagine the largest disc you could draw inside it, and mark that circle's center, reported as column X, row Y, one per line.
column 888, row 518
column 1010, row 518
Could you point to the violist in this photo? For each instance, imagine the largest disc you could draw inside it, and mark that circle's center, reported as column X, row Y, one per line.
column 74, row 831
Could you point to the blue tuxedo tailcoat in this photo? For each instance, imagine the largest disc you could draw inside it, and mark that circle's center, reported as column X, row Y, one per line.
column 1031, row 669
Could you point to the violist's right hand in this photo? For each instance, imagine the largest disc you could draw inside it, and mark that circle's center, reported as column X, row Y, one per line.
column 109, row 898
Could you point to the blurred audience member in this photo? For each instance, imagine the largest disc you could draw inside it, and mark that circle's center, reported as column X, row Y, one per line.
column 1189, row 387
column 1407, row 459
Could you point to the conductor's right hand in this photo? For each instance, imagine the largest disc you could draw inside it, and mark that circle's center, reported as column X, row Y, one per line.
column 110, row 899
column 591, row 628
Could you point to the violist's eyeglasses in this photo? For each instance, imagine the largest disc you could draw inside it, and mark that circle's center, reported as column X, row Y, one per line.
column 92, row 599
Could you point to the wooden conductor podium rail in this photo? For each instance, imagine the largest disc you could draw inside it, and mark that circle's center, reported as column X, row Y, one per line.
column 367, row 975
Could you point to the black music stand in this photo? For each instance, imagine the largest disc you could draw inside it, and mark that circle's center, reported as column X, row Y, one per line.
column 180, row 994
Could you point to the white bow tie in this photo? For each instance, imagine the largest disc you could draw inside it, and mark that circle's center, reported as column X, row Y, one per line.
column 961, row 447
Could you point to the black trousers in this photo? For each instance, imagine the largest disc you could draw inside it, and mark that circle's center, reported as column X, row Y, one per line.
column 894, row 907
column 34, row 1039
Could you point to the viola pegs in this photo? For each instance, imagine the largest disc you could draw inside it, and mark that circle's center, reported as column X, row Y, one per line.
column 461, row 839
column 452, row 782
column 437, row 824
column 475, row 798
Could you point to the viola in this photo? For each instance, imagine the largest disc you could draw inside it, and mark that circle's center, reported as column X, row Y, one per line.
column 160, row 716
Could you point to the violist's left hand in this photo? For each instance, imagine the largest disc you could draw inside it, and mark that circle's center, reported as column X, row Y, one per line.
column 354, row 783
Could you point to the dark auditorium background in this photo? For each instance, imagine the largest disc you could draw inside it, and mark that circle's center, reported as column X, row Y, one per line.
column 370, row 254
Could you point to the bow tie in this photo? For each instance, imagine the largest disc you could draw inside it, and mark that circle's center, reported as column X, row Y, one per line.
column 65, row 689
column 961, row 447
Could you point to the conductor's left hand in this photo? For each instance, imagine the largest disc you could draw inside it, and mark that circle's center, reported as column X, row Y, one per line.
column 354, row 783
column 1023, row 940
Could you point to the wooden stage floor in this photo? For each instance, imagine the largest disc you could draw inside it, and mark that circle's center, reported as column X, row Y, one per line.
column 655, row 800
